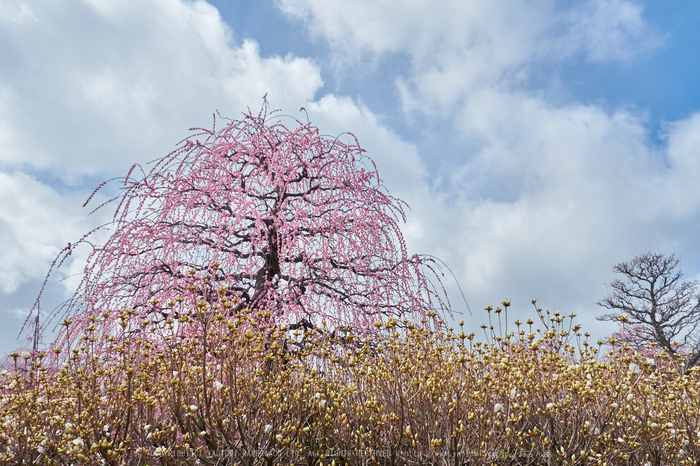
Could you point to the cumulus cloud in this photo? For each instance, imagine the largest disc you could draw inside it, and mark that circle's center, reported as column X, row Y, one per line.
column 427, row 31
column 682, row 190
column 470, row 42
column 35, row 223
column 457, row 48
column 554, row 191
column 97, row 85
column 611, row 30
column 16, row 12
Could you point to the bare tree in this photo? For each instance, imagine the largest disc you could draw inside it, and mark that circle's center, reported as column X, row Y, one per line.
column 659, row 306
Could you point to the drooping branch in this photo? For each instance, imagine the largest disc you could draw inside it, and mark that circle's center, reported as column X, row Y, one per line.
column 292, row 220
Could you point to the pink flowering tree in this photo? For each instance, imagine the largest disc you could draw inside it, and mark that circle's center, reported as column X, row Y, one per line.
column 282, row 218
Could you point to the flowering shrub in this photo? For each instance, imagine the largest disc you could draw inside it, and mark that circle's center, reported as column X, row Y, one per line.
column 209, row 388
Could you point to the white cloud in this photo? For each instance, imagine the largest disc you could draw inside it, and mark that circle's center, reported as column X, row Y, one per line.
column 98, row 85
column 533, row 146
column 19, row 314
column 472, row 42
column 611, row 30
column 426, row 31
column 16, row 12
column 457, row 48
column 35, row 223
column 682, row 188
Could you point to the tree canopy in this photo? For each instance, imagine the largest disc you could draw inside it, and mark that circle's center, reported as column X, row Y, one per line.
column 281, row 218
column 660, row 307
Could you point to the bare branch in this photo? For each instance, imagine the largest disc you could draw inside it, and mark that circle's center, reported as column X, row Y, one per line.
column 652, row 295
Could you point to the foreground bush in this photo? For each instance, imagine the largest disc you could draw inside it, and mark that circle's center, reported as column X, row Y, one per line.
column 209, row 388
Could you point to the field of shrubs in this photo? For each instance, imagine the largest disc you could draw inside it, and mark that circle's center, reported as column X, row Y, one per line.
column 213, row 388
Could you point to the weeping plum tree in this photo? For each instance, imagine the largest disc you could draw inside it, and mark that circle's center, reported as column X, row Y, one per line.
column 285, row 219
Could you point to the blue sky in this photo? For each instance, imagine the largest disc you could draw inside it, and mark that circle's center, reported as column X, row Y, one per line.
column 538, row 143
